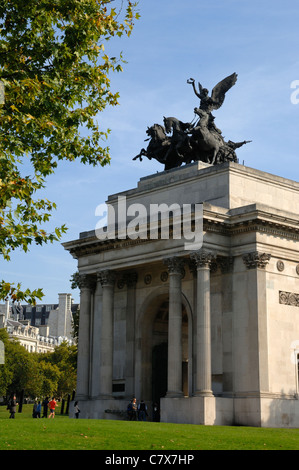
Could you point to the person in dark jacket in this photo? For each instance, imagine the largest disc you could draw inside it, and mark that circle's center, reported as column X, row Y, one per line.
column 13, row 407
column 142, row 411
column 45, row 407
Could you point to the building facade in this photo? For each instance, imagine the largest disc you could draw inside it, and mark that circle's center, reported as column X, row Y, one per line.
column 41, row 327
column 209, row 329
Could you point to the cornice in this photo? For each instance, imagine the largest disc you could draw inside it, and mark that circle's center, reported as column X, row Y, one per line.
column 228, row 223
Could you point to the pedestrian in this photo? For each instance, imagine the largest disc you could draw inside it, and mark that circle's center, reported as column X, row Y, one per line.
column 45, row 407
column 142, row 411
column 38, row 409
column 34, row 410
column 134, row 410
column 52, row 405
column 77, row 411
column 13, row 407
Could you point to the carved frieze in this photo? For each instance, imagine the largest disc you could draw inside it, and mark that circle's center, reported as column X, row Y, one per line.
column 289, row 298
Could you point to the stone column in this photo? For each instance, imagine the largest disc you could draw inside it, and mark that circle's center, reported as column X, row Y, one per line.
column 174, row 377
column 131, row 281
column 96, row 347
column 203, row 385
column 86, row 284
column 107, row 279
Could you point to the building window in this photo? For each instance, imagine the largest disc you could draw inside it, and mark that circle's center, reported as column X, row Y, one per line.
column 118, row 387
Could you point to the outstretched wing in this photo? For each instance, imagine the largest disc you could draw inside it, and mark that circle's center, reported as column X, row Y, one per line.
column 218, row 92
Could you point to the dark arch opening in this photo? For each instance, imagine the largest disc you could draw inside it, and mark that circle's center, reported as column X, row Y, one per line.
column 160, row 352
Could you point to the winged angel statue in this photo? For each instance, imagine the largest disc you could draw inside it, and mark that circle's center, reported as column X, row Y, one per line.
column 177, row 142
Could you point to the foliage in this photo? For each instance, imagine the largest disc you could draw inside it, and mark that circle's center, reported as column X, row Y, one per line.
column 76, row 315
column 75, row 324
column 6, row 374
column 49, row 378
column 64, row 358
column 38, row 374
column 55, row 70
column 19, row 365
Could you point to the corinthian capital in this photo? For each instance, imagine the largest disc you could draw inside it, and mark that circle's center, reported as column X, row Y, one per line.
column 256, row 260
column 202, row 259
column 106, row 277
column 86, row 281
column 175, row 265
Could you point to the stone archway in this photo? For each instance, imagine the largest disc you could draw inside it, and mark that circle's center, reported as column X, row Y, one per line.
column 160, row 352
column 151, row 342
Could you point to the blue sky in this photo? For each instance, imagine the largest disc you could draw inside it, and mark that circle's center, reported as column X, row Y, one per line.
column 173, row 41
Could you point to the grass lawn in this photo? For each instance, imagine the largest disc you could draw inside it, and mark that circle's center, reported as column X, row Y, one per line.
column 62, row 433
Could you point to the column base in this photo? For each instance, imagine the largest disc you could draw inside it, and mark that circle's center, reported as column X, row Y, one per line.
column 173, row 394
column 203, row 393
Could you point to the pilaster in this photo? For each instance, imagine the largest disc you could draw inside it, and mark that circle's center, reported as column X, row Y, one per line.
column 256, row 263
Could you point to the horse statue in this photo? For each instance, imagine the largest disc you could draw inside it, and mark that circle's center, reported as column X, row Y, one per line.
column 180, row 140
column 160, row 148
column 206, row 138
column 158, row 145
column 187, row 142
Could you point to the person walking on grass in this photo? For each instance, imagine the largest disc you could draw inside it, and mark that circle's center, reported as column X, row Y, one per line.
column 45, row 407
column 38, row 409
column 134, row 410
column 76, row 409
column 52, row 405
column 13, row 407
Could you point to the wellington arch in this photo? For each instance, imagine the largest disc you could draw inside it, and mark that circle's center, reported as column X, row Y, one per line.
column 211, row 332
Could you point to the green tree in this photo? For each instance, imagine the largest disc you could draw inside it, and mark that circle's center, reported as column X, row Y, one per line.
column 20, row 369
column 38, row 374
column 50, row 375
column 55, row 70
column 61, row 369
column 6, row 374
column 76, row 315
